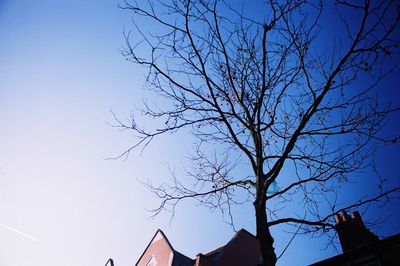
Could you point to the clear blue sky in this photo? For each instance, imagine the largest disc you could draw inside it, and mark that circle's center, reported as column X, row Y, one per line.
column 61, row 203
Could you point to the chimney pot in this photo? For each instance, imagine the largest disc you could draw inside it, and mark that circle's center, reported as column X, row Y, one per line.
column 338, row 218
column 355, row 216
column 345, row 216
column 352, row 232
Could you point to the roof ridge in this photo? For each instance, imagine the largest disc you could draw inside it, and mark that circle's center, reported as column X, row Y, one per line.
column 227, row 245
column 245, row 231
column 151, row 241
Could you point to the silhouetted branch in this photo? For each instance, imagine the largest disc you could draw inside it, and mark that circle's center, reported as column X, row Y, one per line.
column 269, row 94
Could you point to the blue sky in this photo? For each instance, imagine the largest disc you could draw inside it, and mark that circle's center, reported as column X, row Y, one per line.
column 61, row 202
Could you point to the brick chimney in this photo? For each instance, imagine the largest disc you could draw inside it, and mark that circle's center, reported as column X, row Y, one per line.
column 352, row 231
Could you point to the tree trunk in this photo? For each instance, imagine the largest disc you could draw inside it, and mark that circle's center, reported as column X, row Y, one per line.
column 268, row 256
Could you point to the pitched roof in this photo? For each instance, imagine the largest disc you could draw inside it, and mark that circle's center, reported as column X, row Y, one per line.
column 242, row 248
column 243, row 245
column 382, row 252
column 181, row 260
column 178, row 258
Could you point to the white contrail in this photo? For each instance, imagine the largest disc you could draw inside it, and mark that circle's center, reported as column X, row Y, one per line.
column 21, row 233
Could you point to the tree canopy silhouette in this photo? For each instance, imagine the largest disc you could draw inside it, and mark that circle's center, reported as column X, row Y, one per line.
column 269, row 90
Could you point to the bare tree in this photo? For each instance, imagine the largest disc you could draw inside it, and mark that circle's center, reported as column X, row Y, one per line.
column 272, row 94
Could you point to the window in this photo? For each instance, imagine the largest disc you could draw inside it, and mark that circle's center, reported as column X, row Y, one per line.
column 152, row 261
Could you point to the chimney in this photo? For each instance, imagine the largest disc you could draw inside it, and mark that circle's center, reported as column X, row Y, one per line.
column 352, row 231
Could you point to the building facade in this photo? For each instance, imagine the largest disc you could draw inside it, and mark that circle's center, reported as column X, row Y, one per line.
column 360, row 247
column 242, row 249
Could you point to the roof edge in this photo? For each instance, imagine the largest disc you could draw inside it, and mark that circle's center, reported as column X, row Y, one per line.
column 227, row 245
column 151, row 241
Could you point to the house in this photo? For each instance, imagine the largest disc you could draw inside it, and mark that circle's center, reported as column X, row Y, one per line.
column 160, row 252
column 242, row 249
column 360, row 247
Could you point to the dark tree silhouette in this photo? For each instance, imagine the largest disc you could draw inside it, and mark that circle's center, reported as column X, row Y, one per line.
column 268, row 90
